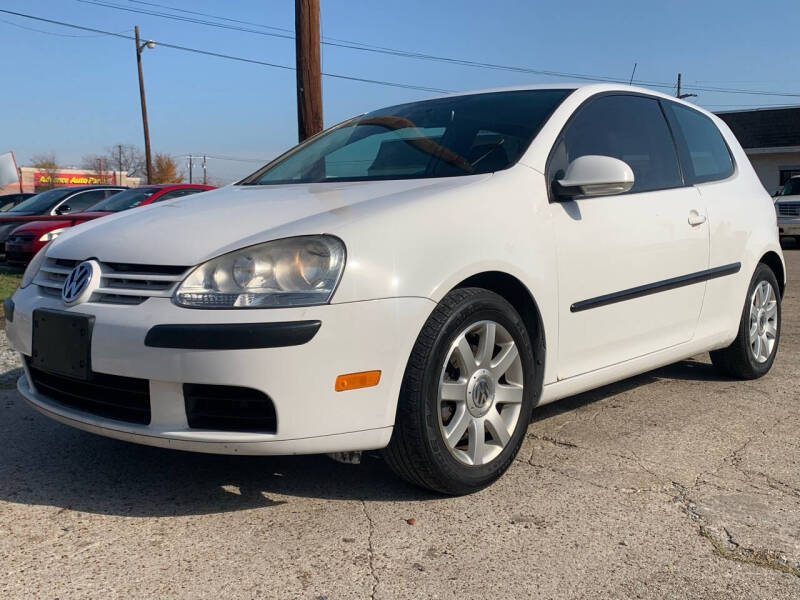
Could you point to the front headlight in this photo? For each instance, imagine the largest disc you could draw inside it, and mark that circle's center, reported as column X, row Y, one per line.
column 33, row 268
column 297, row 271
column 51, row 235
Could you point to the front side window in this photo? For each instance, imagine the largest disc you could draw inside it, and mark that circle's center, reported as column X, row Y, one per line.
column 42, row 203
column 792, row 187
column 630, row 128
column 177, row 194
column 704, row 153
column 83, row 200
column 125, row 200
column 461, row 135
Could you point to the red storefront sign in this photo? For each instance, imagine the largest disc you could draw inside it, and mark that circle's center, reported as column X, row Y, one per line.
column 40, row 178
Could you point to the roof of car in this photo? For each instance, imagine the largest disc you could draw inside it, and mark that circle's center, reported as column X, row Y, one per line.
column 162, row 186
column 590, row 88
column 103, row 186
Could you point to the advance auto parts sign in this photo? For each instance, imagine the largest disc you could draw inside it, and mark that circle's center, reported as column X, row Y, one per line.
column 42, row 178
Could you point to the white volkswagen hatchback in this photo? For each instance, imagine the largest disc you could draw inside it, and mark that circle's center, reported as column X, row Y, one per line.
column 417, row 279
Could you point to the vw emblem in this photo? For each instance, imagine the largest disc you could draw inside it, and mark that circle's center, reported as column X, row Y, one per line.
column 480, row 393
column 80, row 283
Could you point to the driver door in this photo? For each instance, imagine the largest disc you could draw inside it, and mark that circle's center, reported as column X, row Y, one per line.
column 623, row 259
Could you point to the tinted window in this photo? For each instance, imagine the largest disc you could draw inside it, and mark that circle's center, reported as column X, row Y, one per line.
column 125, row 200
column 42, row 203
column 792, row 188
column 177, row 194
column 460, row 135
column 630, row 128
column 83, row 200
column 704, row 154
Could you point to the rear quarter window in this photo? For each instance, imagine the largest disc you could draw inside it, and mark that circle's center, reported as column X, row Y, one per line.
column 704, row 154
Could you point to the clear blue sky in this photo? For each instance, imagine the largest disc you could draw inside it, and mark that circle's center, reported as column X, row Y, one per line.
column 77, row 95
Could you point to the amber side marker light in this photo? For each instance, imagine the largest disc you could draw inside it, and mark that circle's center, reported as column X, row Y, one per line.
column 354, row 381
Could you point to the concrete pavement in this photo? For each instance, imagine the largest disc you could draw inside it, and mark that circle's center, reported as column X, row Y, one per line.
column 677, row 483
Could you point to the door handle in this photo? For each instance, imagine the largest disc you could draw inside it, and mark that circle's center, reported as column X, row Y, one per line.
column 695, row 218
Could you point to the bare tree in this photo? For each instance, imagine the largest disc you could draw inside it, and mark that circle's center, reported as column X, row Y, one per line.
column 46, row 162
column 89, row 162
column 126, row 158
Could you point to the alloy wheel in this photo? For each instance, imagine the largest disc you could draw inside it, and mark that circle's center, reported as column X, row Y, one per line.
column 763, row 321
column 480, row 393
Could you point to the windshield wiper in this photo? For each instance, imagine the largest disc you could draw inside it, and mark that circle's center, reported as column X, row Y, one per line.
column 494, row 147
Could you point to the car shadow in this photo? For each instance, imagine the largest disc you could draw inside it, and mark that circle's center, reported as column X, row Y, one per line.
column 685, row 370
column 45, row 463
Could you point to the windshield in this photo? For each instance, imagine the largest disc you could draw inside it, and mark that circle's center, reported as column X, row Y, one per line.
column 462, row 135
column 125, row 200
column 792, row 187
column 41, row 203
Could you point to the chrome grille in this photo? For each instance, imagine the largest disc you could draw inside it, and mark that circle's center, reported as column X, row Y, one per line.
column 788, row 209
column 120, row 283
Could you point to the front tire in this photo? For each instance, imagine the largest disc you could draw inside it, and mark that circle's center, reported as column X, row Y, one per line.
column 752, row 353
column 467, row 395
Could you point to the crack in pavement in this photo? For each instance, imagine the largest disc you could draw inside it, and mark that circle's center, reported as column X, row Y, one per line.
column 725, row 546
column 552, row 440
column 721, row 539
column 371, row 550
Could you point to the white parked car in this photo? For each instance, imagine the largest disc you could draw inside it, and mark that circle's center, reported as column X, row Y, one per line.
column 417, row 279
column 787, row 206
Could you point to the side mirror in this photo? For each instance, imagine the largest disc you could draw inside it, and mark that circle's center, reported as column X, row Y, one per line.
column 593, row 175
column 63, row 209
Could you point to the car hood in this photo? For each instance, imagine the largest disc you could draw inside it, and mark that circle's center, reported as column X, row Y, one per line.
column 49, row 223
column 792, row 198
column 190, row 230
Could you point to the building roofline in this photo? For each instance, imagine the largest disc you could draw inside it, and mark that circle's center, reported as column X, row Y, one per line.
column 757, row 109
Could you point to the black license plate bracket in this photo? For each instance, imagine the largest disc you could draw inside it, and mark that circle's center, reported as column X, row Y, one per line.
column 62, row 343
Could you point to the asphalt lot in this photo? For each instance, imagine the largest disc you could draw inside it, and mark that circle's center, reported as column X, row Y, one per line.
column 677, row 483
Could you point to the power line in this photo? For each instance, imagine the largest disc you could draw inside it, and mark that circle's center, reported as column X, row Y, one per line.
column 67, row 35
column 231, row 158
column 370, row 48
column 232, row 57
column 418, row 55
column 357, row 46
column 202, row 14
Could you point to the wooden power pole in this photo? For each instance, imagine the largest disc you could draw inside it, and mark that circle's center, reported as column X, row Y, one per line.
column 682, row 96
column 309, row 75
column 139, row 48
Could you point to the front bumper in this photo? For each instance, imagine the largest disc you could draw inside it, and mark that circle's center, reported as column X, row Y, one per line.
column 789, row 225
column 311, row 416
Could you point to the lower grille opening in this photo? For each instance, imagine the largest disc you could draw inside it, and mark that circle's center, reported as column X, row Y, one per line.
column 109, row 396
column 229, row 408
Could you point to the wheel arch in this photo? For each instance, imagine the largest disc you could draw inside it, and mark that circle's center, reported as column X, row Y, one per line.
column 519, row 296
column 774, row 262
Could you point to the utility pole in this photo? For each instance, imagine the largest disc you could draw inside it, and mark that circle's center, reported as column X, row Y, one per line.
column 139, row 49
column 309, row 70
column 680, row 96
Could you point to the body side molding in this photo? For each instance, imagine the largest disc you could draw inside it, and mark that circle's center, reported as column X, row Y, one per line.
column 656, row 287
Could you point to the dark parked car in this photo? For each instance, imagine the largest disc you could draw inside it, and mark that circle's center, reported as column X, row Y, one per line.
column 58, row 201
column 9, row 201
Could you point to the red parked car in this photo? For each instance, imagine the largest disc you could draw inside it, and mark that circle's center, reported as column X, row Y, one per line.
column 26, row 240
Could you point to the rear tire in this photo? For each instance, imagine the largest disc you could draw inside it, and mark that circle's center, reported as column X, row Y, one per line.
column 752, row 353
column 467, row 395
